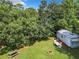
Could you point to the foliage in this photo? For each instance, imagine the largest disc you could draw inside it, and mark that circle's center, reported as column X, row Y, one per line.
column 19, row 26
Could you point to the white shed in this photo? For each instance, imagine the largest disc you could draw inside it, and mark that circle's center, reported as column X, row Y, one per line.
column 69, row 38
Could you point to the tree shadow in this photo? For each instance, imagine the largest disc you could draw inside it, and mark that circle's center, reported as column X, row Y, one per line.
column 42, row 39
column 33, row 40
column 72, row 53
column 5, row 50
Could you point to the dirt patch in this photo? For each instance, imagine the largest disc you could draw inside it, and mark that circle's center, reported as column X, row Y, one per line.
column 23, row 49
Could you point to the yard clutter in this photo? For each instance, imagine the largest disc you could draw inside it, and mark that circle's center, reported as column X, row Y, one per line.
column 13, row 53
column 57, row 43
column 68, row 38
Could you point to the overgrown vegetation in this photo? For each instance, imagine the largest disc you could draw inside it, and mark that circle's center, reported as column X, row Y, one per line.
column 19, row 26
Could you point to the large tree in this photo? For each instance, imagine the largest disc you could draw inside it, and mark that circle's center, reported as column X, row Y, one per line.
column 70, row 14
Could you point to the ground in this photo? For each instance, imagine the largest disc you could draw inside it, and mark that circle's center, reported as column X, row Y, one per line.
column 45, row 50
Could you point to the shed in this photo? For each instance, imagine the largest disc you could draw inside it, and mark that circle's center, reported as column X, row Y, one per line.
column 68, row 38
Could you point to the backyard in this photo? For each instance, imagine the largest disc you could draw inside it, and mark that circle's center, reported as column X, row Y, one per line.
column 26, row 25
column 45, row 50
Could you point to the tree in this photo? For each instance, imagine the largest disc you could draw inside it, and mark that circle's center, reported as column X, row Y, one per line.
column 42, row 9
column 70, row 14
column 69, row 10
column 19, row 6
column 30, row 12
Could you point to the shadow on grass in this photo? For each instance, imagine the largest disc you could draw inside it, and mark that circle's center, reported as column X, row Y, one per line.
column 72, row 53
column 33, row 40
column 5, row 50
column 43, row 39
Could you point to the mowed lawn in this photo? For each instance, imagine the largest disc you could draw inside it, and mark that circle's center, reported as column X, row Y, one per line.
column 45, row 50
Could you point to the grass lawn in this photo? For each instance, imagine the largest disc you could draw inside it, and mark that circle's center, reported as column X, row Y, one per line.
column 45, row 50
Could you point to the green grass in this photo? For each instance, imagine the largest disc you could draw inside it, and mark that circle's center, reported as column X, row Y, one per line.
column 40, row 50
